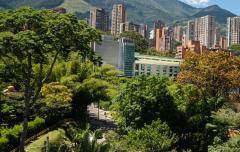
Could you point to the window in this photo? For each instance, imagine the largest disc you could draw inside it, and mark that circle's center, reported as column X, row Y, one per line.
column 137, row 67
column 149, row 67
column 164, row 69
column 142, row 67
column 158, row 68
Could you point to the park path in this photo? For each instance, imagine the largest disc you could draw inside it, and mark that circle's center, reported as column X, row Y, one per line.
column 104, row 122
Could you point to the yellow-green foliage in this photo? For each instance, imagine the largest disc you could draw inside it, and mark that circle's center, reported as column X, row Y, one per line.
column 56, row 93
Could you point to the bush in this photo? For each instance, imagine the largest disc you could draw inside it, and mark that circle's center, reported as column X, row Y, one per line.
column 9, row 138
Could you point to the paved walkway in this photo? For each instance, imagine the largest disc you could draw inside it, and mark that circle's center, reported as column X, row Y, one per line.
column 104, row 122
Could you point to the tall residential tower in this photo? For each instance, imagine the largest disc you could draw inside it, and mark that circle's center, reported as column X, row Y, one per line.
column 205, row 28
column 233, row 32
column 99, row 19
column 118, row 16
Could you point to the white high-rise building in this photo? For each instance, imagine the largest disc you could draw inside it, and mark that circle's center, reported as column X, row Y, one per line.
column 233, row 33
column 204, row 31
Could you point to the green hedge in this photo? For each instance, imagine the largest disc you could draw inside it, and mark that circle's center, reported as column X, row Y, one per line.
column 9, row 137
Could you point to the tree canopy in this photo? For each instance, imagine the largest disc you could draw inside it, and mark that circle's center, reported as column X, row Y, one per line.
column 141, row 44
column 217, row 73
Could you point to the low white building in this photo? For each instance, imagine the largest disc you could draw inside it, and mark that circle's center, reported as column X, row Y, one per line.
column 154, row 65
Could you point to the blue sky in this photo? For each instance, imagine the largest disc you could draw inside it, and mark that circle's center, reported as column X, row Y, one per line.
column 231, row 5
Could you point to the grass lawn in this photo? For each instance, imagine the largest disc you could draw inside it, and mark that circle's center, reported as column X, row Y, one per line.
column 54, row 137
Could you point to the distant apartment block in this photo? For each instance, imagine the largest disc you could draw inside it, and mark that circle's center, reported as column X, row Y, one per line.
column 129, row 26
column 158, row 24
column 117, row 53
column 223, row 43
column 99, row 19
column 204, row 31
column 233, row 30
column 190, row 31
column 164, row 40
column 144, row 30
column 153, row 65
column 217, row 38
column 178, row 33
column 118, row 16
column 190, row 46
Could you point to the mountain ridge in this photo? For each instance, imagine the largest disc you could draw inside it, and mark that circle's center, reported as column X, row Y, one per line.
column 140, row 11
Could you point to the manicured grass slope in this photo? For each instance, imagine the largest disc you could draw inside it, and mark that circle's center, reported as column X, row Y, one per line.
column 54, row 137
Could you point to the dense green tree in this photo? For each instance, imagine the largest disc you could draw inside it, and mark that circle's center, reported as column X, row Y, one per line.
column 152, row 138
column 154, row 52
column 226, row 124
column 144, row 99
column 30, row 37
column 141, row 44
column 155, row 137
column 235, row 48
column 232, row 145
column 176, row 44
column 196, row 109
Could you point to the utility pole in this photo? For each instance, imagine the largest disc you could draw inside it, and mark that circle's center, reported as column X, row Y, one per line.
column 98, row 109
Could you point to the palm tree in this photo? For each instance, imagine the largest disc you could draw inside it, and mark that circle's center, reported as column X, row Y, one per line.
column 88, row 141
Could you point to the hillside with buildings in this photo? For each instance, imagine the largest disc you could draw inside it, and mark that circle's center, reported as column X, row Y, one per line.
column 201, row 34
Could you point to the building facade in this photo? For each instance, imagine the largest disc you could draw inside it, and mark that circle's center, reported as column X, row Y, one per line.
column 117, row 53
column 144, row 30
column 190, row 31
column 204, row 31
column 217, row 38
column 178, row 33
column 223, row 43
column 233, row 30
column 108, row 50
column 99, row 19
column 164, row 40
column 118, row 16
column 153, row 65
column 126, row 61
column 193, row 46
column 129, row 26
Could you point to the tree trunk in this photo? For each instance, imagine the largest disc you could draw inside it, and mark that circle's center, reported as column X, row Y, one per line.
column 27, row 70
column 25, row 121
column 23, row 135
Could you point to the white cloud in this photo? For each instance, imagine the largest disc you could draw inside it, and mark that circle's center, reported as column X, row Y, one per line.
column 197, row 2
